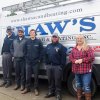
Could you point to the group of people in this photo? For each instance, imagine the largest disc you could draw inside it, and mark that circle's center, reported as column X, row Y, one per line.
column 25, row 54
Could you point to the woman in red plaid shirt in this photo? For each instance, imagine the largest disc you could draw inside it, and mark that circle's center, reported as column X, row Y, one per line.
column 82, row 57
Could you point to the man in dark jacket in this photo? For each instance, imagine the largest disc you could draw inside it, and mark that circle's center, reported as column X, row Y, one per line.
column 55, row 59
column 34, row 49
column 7, row 57
column 18, row 52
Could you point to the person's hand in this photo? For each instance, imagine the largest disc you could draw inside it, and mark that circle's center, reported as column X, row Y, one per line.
column 76, row 62
column 80, row 61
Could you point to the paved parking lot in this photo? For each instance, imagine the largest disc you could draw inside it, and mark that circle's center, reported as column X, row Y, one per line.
column 10, row 94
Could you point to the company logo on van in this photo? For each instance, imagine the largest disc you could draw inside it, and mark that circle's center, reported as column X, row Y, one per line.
column 86, row 24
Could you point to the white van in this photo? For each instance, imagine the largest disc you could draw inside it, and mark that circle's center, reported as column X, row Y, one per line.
column 67, row 21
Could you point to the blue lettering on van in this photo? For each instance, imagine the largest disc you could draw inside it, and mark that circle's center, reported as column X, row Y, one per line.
column 57, row 26
column 41, row 30
column 74, row 21
column 26, row 30
column 86, row 24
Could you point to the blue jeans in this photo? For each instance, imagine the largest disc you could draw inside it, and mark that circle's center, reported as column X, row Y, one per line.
column 83, row 81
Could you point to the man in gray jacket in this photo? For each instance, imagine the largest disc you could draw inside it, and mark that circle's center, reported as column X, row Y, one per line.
column 17, row 50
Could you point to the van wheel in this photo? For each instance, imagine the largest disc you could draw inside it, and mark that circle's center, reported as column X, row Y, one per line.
column 72, row 87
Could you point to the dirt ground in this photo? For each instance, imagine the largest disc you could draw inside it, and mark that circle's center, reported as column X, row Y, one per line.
column 10, row 94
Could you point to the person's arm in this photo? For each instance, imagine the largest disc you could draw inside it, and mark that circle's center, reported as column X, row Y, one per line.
column 63, row 56
column 12, row 48
column 71, row 57
column 12, row 45
column 25, row 49
column 45, row 55
column 89, row 57
column 41, row 48
column 46, row 58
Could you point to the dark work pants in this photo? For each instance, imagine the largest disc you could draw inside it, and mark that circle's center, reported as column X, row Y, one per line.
column 7, row 66
column 29, row 69
column 19, row 65
column 54, row 78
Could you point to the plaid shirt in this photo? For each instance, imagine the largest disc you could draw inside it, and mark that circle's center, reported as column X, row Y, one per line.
column 87, row 59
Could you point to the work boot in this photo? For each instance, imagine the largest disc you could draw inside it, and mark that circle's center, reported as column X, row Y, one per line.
column 22, row 88
column 87, row 96
column 16, row 87
column 79, row 94
column 26, row 91
column 36, row 92
column 3, row 84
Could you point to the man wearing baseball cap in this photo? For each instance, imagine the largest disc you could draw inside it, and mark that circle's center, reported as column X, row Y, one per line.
column 18, row 52
column 7, row 58
column 55, row 59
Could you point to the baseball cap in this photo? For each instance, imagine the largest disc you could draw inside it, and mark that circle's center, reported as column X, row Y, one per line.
column 9, row 28
column 20, row 29
column 55, row 35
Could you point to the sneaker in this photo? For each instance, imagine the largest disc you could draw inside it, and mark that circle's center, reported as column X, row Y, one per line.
column 22, row 88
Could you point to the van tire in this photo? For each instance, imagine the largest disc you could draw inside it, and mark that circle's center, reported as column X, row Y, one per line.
column 72, row 88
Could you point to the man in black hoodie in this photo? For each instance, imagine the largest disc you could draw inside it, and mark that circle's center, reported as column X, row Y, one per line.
column 34, row 50
column 7, row 57
column 55, row 59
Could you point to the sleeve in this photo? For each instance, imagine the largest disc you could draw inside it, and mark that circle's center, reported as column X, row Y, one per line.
column 12, row 48
column 63, row 56
column 45, row 55
column 25, row 49
column 12, row 45
column 71, row 57
column 90, row 56
column 41, row 51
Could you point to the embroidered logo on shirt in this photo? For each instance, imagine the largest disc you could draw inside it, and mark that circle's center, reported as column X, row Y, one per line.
column 57, row 49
